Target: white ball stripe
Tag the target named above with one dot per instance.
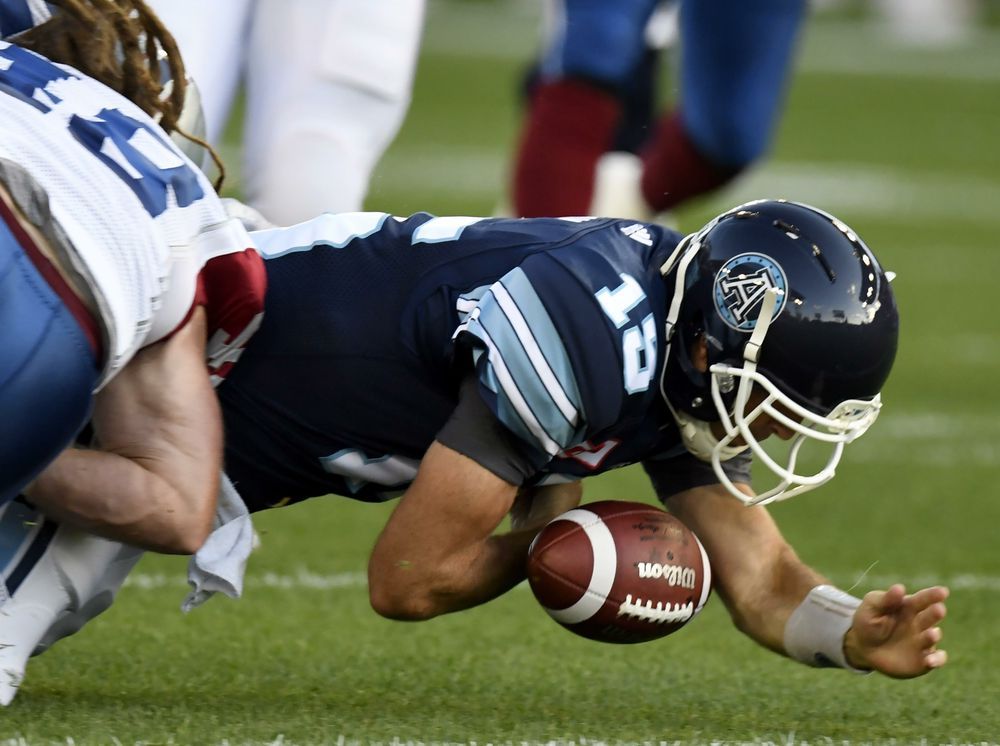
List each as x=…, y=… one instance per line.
x=706, y=575
x=603, y=576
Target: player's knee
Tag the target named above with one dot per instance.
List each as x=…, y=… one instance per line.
x=729, y=142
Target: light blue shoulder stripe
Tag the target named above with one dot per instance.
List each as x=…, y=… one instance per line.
x=439, y=230
x=329, y=229
x=512, y=407
x=548, y=353
x=529, y=362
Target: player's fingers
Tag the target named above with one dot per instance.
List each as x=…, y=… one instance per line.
x=930, y=616
x=888, y=600
x=927, y=596
x=936, y=659
x=931, y=637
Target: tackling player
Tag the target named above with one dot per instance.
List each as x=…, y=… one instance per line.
x=597, y=75
x=120, y=267
x=482, y=365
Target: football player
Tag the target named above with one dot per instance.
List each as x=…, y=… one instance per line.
x=597, y=74
x=482, y=365
x=120, y=269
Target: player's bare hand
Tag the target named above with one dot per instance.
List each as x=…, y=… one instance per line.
x=897, y=633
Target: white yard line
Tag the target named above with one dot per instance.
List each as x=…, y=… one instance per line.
x=781, y=739
x=305, y=580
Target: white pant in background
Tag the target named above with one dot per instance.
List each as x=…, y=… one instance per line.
x=328, y=83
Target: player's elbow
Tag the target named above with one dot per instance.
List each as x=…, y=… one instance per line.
x=184, y=536
x=401, y=607
x=405, y=604
x=404, y=594
x=182, y=523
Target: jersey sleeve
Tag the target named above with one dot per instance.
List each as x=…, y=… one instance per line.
x=474, y=431
x=231, y=287
x=541, y=350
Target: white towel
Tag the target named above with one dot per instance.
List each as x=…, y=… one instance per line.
x=219, y=565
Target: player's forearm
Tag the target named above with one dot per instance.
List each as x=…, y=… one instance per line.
x=761, y=608
x=439, y=551
x=422, y=588
x=498, y=567
x=756, y=572
x=121, y=499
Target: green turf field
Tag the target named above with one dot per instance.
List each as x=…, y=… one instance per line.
x=901, y=144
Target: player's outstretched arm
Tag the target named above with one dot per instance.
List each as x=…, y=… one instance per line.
x=154, y=480
x=437, y=553
x=785, y=605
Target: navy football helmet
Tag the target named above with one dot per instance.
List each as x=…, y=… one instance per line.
x=794, y=307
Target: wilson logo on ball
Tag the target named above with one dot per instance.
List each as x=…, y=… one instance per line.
x=683, y=577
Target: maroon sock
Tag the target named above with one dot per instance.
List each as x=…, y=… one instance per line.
x=674, y=170
x=570, y=124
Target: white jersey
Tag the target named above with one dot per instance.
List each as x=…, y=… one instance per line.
x=140, y=218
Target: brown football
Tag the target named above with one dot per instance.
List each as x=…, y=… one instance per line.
x=619, y=571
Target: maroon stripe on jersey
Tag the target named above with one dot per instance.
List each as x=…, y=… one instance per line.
x=87, y=321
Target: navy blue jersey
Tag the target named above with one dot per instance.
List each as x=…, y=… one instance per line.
x=372, y=321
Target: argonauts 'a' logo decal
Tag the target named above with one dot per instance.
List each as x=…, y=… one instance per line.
x=740, y=286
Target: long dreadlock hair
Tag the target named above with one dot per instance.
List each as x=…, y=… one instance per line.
x=118, y=42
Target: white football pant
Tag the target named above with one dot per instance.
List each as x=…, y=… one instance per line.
x=328, y=83
x=55, y=579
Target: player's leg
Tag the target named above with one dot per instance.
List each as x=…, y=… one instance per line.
x=212, y=40
x=54, y=579
x=48, y=364
x=575, y=109
x=735, y=62
x=328, y=86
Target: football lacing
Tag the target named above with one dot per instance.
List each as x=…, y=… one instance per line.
x=659, y=614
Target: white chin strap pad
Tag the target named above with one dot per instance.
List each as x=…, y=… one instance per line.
x=700, y=441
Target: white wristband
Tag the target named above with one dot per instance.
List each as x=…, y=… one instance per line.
x=814, y=633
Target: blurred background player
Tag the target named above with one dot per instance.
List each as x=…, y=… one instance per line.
x=327, y=87
x=122, y=271
x=470, y=364
x=595, y=90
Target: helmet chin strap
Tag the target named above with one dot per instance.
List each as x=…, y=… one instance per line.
x=696, y=434
x=681, y=257
x=791, y=483
x=699, y=439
